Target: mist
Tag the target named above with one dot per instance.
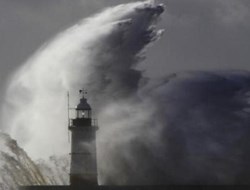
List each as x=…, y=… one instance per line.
x=190, y=128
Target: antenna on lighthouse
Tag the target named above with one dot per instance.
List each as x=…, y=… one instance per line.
x=68, y=117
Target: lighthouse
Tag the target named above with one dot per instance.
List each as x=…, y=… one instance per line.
x=83, y=168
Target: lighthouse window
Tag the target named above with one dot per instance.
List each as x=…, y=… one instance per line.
x=83, y=114
x=80, y=114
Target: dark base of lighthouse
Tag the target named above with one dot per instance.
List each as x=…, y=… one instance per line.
x=80, y=180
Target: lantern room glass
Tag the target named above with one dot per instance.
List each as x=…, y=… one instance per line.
x=83, y=114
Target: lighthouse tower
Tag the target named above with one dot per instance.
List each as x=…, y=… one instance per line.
x=83, y=170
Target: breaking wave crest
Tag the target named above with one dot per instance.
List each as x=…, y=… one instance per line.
x=98, y=53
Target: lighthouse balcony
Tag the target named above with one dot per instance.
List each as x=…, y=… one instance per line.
x=83, y=123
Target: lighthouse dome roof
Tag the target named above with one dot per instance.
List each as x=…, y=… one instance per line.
x=83, y=105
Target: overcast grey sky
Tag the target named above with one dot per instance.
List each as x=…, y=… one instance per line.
x=200, y=34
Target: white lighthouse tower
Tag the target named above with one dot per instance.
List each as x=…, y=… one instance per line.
x=83, y=170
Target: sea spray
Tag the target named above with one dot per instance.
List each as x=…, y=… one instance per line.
x=98, y=53
x=187, y=128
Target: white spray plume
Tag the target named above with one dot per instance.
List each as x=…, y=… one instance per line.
x=94, y=54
